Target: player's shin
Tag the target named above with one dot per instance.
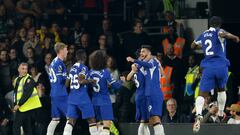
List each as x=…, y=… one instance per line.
x=68, y=129
x=141, y=129
x=158, y=129
x=51, y=127
x=146, y=129
x=199, y=105
x=93, y=129
x=221, y=98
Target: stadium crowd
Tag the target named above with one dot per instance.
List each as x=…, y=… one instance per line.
x=29, y=30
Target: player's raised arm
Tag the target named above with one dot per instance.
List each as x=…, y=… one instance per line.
x=196, y=45
x=227, y=35
x=133, y=71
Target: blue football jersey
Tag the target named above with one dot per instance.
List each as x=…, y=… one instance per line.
x=78, y=93
x=58, y=76
x=100, y=89
x=152, y=77
x=214, y=48
x=139, y=82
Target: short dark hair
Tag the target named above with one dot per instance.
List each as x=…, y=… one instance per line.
x=136, y=21
x=81, y=55
x=98, y=60
x=215, y=21
x=149, y=47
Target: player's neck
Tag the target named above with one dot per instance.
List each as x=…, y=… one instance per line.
x=60, y=57
x=81, y=62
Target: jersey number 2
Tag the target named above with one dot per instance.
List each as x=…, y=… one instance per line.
x=209, y=46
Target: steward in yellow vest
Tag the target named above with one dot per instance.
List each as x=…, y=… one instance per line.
x=26, y=99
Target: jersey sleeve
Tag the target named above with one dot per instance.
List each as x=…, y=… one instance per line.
x=198, y=40
x=111, y=81
x=84, y=72
x=220, y=38
x=149, y=64
x=61, y=72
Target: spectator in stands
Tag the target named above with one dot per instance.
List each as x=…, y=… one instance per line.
x=5, y=114
x=36, y=75
x=44, y=113
x=5, y=21
x=5, y=75
x=55, y=31
x=32, y=59
x=135, y=39
x=141, y=15
x=190, y=77
x=102, y=44
x=19, y=41
x=33, y=42
x=85, y=44
x=212, y=116
x=65, y=35
x=27, y=7
x=170, y=19
x=47, y=61
x=70, y=60
x=28, y=23
x=77, y=32
x=14, y=61
x=235, y=114
x=177, y=75
x=48, y=44
x=41, y=33
x=174, y=40
x=54, y=10
x=173, y=116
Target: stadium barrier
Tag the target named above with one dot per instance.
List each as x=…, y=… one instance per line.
x=184, y=129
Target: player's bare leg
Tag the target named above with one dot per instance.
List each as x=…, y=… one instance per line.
x=69, y=126
x=155, y=121
x=93, y=126
x=199, y=103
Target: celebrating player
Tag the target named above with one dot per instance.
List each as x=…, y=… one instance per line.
x=214, y=65
x=137, y=74
x=78, y=99
x=59, y=95
x=153, y=94
x=101, y=100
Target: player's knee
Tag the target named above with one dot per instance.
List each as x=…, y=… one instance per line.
x=71, y=121
x=91, y=120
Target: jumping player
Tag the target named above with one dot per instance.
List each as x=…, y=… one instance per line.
x=78, y=99
x=153, y=93
x=101, y=100
x=59, y=95
x=214, y=65
x=137, y=74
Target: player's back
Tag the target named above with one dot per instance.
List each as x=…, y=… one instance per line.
x=100, y=89
x=78, y=93
x=58, y=76
x=140, y=83
x=214, y=48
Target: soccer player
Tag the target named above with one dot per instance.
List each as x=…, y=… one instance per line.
x=59, y=95
x=214, y=65
x=137, y=74
x=78, y=99
x=153, y=93
x=101, y=100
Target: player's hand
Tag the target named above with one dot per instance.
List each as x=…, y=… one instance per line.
x=4, y=122
x=16, y=107
x=237, y=40
x=130, y=59
x=134, y=68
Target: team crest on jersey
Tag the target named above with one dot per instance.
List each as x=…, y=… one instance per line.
x=60, y=68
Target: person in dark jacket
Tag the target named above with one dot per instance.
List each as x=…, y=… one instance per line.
x=5, y=114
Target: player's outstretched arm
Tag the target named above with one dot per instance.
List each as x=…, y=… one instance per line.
x=194, y=45
x=82, y=80
x=228, y=35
